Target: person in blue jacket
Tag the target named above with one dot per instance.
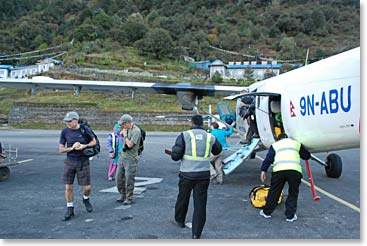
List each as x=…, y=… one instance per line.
x=216, y=172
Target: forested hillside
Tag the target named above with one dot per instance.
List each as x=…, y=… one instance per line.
x=171, y=28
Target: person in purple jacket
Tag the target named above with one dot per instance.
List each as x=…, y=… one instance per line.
x=115, y=142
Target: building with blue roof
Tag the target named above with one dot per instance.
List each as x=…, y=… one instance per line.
x=5, y=70
x=246, y=69
x=20, y=72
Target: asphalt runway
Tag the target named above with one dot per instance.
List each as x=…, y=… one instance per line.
x=32, y=201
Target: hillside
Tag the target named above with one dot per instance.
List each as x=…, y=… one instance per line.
x=169, y=29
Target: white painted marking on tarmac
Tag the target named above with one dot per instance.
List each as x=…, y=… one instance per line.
x=148, y=181
x=25, y=161
x=137, y=190
x=88, y=220
x=335, y=198
x=123, y=207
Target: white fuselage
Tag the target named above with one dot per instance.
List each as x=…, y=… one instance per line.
x=320, y=103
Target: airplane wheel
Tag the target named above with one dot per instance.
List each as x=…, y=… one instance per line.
x=4, y=173
x=334, y=166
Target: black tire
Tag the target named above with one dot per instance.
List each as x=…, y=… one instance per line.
x=4, y=173
x=334, y=166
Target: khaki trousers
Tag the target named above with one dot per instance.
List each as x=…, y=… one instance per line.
x=216, y=172
x=125, y=177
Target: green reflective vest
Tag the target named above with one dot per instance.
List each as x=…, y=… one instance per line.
x=287, y=155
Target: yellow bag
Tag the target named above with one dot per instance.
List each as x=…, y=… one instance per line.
x=259, y=194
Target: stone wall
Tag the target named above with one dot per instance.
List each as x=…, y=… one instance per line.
x=26, y=113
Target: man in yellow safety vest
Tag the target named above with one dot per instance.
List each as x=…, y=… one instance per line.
x=285, y=158
x=193, y=148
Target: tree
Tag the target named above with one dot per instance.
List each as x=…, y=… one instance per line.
x=158, y=42
x=288, y=47
x=230, y=41
x=133, y=31
x=217, y=78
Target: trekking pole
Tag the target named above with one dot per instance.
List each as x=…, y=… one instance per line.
x=316, y=198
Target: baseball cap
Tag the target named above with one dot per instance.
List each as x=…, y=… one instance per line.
x=71, y=115
x=125, y=119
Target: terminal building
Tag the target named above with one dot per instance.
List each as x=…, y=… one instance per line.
x=245, y=70
x=21, y=72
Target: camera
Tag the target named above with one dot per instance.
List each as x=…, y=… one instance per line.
x=125, y=148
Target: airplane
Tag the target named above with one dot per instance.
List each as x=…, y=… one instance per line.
x=319, y=104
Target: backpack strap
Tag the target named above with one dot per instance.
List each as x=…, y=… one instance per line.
x=84, y=132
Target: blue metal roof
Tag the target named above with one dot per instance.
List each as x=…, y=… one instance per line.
x=255, y=66
x=202, y=64
x=6, y=66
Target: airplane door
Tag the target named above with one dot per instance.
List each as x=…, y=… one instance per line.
x=263, y=118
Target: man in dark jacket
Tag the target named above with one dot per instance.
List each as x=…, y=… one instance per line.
x=247, y=111
x=193, y=148
x=285, y=158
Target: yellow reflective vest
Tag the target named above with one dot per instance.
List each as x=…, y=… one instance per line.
x=198, y=144
x=287, y=155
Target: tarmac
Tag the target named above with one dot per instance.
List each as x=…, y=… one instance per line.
x=33, y=203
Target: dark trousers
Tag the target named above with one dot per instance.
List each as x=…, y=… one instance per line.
x=278, y=179
x=200, y=193
x=252, y=130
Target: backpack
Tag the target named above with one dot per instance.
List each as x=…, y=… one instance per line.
x=142, y=139
x=259, y=194
x=90, y=151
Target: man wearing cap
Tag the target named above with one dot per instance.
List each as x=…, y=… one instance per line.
x=193, y=148
x=128, y=161
x=72, y=142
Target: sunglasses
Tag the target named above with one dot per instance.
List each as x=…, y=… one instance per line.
x=68, y=121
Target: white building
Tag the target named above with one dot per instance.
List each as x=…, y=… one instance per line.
x=243, y=70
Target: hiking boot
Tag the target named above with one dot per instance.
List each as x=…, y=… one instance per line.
x=128, y=202
x=216, y=182
x=87, y=205
x=294, y=218
x=264, y=215
x=121, y=199
x=69, y=213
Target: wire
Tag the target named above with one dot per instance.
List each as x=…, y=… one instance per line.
x=35, y=51
x=27, y=57
x=260, y=57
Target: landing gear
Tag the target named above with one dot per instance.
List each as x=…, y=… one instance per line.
x=333, y=165
x=4, y=173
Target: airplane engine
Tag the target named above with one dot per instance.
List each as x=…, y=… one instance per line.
x=188, y=100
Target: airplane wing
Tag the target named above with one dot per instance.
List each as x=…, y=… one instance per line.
x=143, y=87
x=187, y=93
